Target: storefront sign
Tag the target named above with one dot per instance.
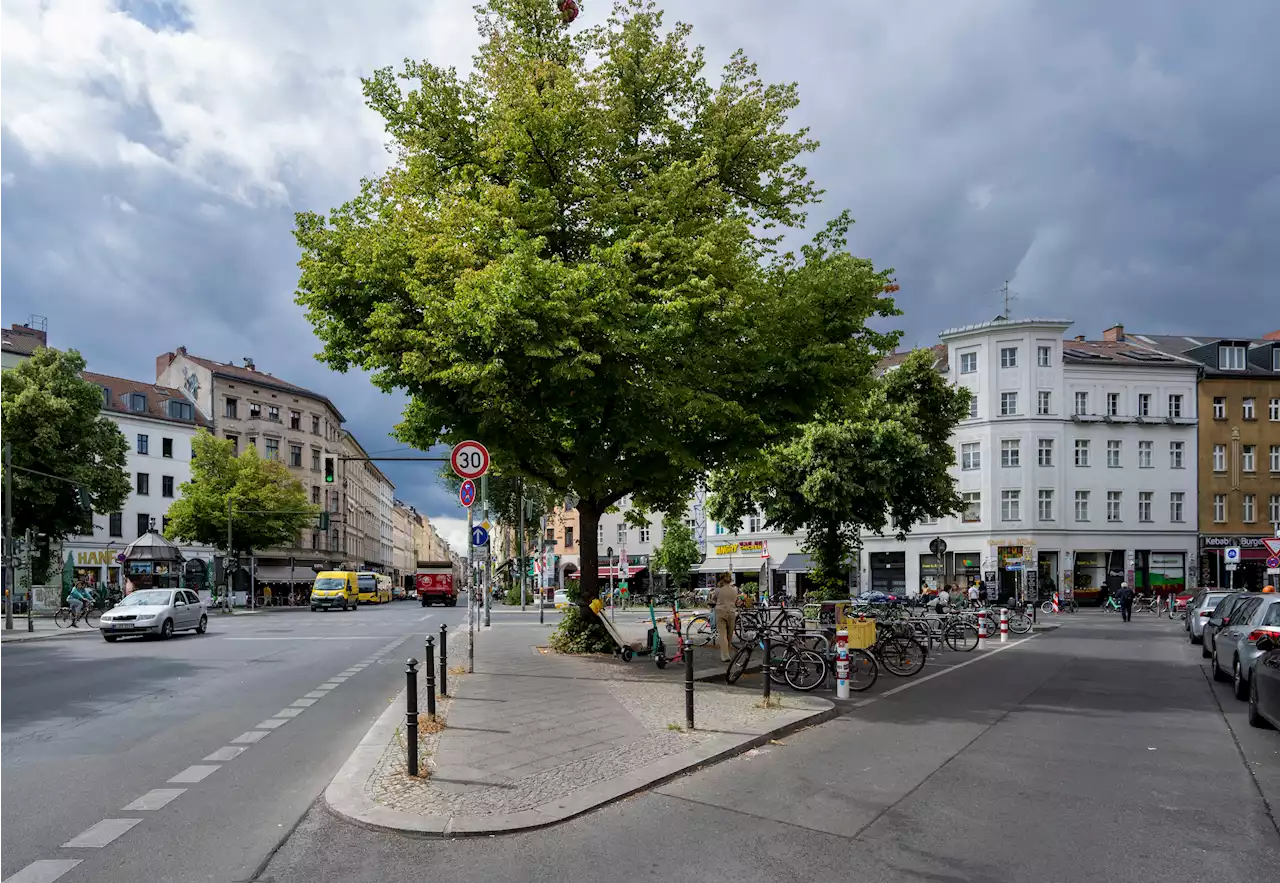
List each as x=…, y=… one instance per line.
x=744, y=546
x=95, y=557
x=1220, y=541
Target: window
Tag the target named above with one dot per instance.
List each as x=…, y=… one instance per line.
x=1145, y=449
x=1082, y=403
x=1010, y=453
x=295, y=420
x=568, y=537
x=1176, y=501
x=229, y=408
x=755, y=524
x=973, y=405
x=295, y=456
x=273, y=413
x=235, y=443
x=144, y=444
x=718, y=529
x=970, y=456
x=1113, y=454
x=1009, y=357
x=972, y=506
x=1042, y=356
x=1042, y=402
x=144, y=523
x=1219, y=407
x=1247, y=409
x=106, y=396
x=166, y=448
x=166, y=486
x=315, y=540
x=1113, y=505
x=599, y=536
x=1175, y=406
x=1273, y=508
x=1144, y=404
x=137, y=402
x=1011, y=505
x=143, y=485
x=644, y=534
x=255, y=411
x=1275, y=361
x=1044, y=506
x=1144, y=505
x=1273, y=409
x=1248, y=458
x=622, y=534
x=1176, y=450
x=1247, y=513
x=1044, y=452
x=315, y=460
x=1082, y=452
x=179, y=410
x=1008, y=404
x=1113, y=404
x=1219, y=458
x=1275, y=460
x=1082, y=505
x=115, y=524
x=315, y=495
x=273, y=449
x=1231, y=358
x=315, y=425
x=968, y=363
x=1219, y=508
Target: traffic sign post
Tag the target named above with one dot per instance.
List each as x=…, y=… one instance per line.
x=469, y=459
x=479, y=536
x=467, y=493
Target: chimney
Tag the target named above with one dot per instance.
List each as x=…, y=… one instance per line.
x=1114, y=334
x=248, y=363
x=182, y=351
x=1080, y=338
x=27, y=331
x=163, y=361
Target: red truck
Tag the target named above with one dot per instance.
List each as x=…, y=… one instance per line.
x=435, y=584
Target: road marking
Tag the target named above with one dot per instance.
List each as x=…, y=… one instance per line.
x=959, y=665
x=250, y=736
x=271, y=723
x=339, y=679
x=303, y=703
x=289, y=712
x=100, y=834
x=317, y=694
x=193, y=774
x=313, y=638
x=425, y=616
x=226, y=752
x=328, y=685
x=44, y=871
x=154, y=799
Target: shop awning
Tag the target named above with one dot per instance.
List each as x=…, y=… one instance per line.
x=280, y=574
x=796, y=562
x=606, y=572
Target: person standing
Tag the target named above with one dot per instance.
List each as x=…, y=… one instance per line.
x=1124, y=598
x=973, y=594
x=725, y=599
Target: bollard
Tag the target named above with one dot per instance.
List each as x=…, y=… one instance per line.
x=688, y=687
x=429, y=666
x=411, y=713
x=768, y=669
x=1055, y=602
x=842, y=664
x=982, y=629
x=1004, y=624
x=444, y=663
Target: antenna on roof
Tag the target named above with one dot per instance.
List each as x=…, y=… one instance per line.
x=1009, y=297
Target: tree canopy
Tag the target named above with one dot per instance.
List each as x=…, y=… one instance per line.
x=53, y=421
x=678, y=553
x=882, y=462
x=575, y=258
x=269, y=506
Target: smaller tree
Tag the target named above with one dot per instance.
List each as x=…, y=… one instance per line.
x=268, y=505
x=678, y=553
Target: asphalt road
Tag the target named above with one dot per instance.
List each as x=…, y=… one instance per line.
x=1097, y=753
x=90, y=727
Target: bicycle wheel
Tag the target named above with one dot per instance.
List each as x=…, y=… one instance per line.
x=815, y=642
x=699, y=632
x=863, y=670
x=62, y=618
x=1046, y=607
x=747, y=626
x=90, y=617
x=804, y=670
x=1019, y=623
x=961, y=636
x=738, y=664
x=792, y=621
x=902, y=656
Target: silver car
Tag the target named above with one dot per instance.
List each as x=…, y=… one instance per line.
x=158, y=612
x=1235, y=647
x=1199, y=609
x=1218, y=620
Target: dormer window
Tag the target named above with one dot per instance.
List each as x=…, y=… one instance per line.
x=1275, y=358
x=106, y=396
x=1231, y=357
x=180, y=410
x=137, y=402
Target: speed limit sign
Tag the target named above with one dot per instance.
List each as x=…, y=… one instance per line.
x=469, y=459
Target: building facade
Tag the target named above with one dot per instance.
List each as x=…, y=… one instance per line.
x=19, y=342
x=403, y=557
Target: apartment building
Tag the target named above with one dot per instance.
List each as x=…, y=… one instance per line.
x=19, y=342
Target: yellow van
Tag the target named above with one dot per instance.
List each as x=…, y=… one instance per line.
x=374, y=587
x=335, y=588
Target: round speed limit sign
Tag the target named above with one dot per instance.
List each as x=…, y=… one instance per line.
x=469, y=459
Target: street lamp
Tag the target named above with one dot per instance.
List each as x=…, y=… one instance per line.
x=608, y=552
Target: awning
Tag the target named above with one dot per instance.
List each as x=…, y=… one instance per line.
x=796, y=562
x=606, y=572
x=280, y=574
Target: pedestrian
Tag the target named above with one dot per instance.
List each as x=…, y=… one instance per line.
x=725, y=598
x=941, y=602
x=973, y=594
x=1125, y=598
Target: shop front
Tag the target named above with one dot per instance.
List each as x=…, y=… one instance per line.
x=1159, y=573
x=889, y=572
x=966, y=569
x=1088, y=576
x=1249, y=574
x=932, y=577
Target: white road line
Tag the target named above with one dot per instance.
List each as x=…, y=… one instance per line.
x=317, y=694
x=44, y=871
x=100, y=834
x=271, y=723
x=250, y=736
x=154, y=799
x=327, y=685
x=303, y=703
x=193, y=774
x=288, y=712
x=339, y=679
x=226, y=752
x=914, y=682
x=425, y=616
x=312, y=638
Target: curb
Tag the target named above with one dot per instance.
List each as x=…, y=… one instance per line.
x=48, y=636
x=345, y=795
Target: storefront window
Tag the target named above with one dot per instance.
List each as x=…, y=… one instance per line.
x=1089, y=576
x=889, y=572
x=966, y=568
x=1167, y=572
x=931, y=578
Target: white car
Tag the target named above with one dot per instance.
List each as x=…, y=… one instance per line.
x=158, y=612
x=561, y=598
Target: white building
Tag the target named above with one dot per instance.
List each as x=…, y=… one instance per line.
x=1077, y=466
x=159, y=423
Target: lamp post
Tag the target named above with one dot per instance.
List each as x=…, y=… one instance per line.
x=608, y=554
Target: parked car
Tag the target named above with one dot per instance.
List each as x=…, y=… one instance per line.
x=562, y=598
x=1216, y=619
x=159, y=612
x=1235, y=647
x=1199, y=609
x=1264, y=686
x=1183, y=599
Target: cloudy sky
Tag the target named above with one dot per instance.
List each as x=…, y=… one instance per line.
x=1115, y=162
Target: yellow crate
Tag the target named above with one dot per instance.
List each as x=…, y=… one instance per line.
x=862, y=633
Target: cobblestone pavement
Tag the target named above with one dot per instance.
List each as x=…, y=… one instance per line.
x=530, y=727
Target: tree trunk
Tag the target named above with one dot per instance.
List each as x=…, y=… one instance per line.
x=588, y=552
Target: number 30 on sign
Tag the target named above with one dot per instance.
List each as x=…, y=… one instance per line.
x=469, y=459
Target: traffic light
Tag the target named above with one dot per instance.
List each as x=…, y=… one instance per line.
x=328, y=470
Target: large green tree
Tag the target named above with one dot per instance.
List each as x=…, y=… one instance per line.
x=880, y=462
x=53, y=422
x=574, y=259
x=678, y=553
x=268, y=505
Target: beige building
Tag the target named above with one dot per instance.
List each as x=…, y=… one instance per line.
x=366, y=486
x=403, y=557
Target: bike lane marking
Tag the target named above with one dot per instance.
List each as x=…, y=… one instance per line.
x=100, y=834
x=154, y=799
x=46, y=870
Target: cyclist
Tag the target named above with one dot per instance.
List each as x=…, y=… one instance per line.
x=78, y=600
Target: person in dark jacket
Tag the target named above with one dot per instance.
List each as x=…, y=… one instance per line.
x=1124, y=598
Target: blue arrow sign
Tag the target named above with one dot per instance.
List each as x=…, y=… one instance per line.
x=479, y=536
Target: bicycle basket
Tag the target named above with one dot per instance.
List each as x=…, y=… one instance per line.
x=862, y=633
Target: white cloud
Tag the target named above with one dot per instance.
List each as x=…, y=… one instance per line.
x=454, y=531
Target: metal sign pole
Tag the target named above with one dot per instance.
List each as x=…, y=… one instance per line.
x=10, y=573
x=520, y=546
x=488, y=547
x=471, y=596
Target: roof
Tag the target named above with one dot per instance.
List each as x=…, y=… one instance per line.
x=1121, y=352
x=1203, y=350
x=156, y=397
x=262, y=378
x=1000, y=323
x=893, y=360
x=21, y=340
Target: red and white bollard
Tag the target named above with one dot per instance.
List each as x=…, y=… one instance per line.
x=1055, y=602
x=982, y=628
x=842, y=664
x=1004, y=624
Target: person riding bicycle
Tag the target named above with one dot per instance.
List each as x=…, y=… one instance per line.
x=78, y=599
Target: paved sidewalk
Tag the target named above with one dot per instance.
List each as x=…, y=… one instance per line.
x=533, y=738
x=44, y=630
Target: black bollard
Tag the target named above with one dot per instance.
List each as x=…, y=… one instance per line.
x=444, y=665
x=688, y=686
x=411, y=713
x=767, y=670
x=429, y=666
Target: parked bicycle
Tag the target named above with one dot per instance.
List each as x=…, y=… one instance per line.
x=788, y=662
x=1065, y=605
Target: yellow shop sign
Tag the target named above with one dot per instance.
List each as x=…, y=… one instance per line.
x=95, y=557
x=744, y=546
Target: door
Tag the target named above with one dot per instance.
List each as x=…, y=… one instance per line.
x=181, y=610
x=1225, y=643
x=193, y=601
